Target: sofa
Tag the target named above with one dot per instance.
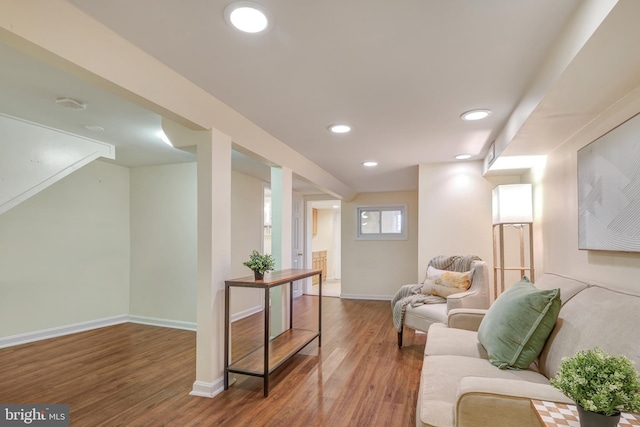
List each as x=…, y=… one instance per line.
x=459, y=386
x=422, y=316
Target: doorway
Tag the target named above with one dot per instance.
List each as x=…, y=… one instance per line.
x=326, y=246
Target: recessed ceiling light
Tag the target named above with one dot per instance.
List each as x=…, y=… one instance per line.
x=247, y=17
x=463, y=156
x=370, y=164
x=160, y=134
x=94, y=128
x=340, y=128
x=475, y=115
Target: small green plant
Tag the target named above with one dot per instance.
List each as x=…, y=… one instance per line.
x=260, y=263
x=599, y=382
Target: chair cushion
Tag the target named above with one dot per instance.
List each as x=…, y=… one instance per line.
x=421, y=317
x=517, y=325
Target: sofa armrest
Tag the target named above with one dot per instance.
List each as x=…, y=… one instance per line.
x=465, y=318
x=501, y=402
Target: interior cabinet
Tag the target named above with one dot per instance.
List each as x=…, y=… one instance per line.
x=314, y=221
x=319, y=262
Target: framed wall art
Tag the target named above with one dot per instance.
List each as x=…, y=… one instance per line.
x=609, y=190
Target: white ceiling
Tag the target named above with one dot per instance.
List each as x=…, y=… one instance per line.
x=399, y=72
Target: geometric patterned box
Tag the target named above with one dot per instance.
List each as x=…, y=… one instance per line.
x=553, y=414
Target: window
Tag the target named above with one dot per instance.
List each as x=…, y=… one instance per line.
x=385, y=222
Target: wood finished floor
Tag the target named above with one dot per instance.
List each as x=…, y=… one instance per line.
x=137, y=375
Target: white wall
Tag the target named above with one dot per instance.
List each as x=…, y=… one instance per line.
x=110, y=241
x=375, y=269
x=64, y=253
x=558, y=190
x=164, y=241
x=163, y=202
x=246, y=232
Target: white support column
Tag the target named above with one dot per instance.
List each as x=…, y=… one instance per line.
x=214, y=260
x=281, y=202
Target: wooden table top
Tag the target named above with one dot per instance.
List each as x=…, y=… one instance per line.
x=274, y=278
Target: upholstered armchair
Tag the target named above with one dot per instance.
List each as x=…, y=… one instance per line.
x=421, y=309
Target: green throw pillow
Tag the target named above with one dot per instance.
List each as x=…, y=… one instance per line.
x=518, y=324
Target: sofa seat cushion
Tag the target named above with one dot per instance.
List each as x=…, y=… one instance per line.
x=440, y=378
x=422, y=316
x=456, y=342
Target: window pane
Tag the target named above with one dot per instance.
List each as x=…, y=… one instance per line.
x=369, y=222
x=392, y=222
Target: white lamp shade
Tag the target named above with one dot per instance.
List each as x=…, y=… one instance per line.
x=512, y=204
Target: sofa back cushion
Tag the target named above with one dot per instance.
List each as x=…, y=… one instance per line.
x=568, y=287
x=516, y=326
x=594, y=317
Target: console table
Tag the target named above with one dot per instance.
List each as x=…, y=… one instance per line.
x=264, y=360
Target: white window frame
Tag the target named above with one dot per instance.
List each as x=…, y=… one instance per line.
x=403, y=235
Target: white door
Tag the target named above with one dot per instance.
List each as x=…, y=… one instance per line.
x=297, y=243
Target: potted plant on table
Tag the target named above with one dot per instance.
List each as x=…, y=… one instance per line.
x=601, y=385
x=260, y=264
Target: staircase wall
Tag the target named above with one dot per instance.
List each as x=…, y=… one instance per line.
x=33, y=157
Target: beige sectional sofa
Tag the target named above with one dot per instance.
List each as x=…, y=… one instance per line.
x=460, y=387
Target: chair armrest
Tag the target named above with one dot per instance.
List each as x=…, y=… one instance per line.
x=501, y=402
x=465, y=318
x=473, y=298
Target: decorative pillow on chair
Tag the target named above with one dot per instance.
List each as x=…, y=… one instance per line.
x=517, y=325
x=427, y=286
x=433, y=273
x=444, y=283
x=453, y=279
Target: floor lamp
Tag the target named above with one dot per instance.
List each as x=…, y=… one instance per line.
x=512, y=207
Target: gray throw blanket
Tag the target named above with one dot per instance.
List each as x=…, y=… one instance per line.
x=412, y=294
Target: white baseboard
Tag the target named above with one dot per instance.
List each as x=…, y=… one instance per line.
x=204, y=389
x=61, y=331
x=246, y=313
x=370, y=297
x=165, y=323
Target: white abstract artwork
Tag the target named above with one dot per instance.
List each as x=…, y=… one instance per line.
x=609, y=190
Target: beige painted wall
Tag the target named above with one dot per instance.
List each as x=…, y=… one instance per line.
x=64, y=253
x=375, y=269
x=455, y=211
x=323, y=240
x=558, y=189
x=164, y=242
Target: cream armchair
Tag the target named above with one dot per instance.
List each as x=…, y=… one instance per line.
x=422, y=316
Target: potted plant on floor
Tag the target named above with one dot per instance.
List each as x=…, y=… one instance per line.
x=601, y=385
x=260, y=264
